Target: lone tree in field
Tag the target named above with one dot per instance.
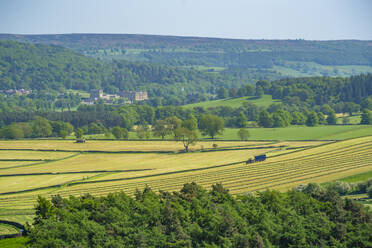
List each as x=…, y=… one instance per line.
x=187, y=137
x=243, y=134
x=161, y=129
x=211, y=125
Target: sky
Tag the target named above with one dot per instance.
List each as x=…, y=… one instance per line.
x=244, y=19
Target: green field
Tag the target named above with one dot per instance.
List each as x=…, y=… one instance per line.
x=307, y=69
x=335, y=132
x=321, y=132
x=357, y=178
x=265, y=101
x=13, y=242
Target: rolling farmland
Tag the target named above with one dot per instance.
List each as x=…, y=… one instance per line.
x=50, y=167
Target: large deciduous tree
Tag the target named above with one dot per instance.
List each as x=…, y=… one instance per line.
x=187, y=137
x=243, y=134
x=161, y=129
x=41, y=127
x=211, y=125
x=312, y=119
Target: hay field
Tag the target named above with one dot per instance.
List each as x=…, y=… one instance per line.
x=289, y=163
x=32, y=155
x=117, y=146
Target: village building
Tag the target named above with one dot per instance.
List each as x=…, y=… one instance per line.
x=133, y=96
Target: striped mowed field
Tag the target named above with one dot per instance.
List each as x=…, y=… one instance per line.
x=99, y=167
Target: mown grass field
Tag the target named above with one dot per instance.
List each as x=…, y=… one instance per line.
x=265, y=101
x=7, y=229
x=101, y=167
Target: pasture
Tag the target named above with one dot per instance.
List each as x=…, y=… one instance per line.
x=264, y=101
x=100, y=167
x=322, y=132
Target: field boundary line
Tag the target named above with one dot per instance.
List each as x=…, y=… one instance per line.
x=42, y=162
x=72, y=172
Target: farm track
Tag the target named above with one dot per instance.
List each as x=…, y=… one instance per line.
x=301, y=167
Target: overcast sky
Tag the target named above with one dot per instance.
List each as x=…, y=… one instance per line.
x=247, y=19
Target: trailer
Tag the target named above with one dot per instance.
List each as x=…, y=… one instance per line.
x=258, y=158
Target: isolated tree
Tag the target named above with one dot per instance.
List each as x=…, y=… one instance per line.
x=243, y=134
x=187, y=137
x=265, y=119
x=312, y=119
x=161, y=129
x=211, y=125
x=366, y=117
x=79, y=133
x=331, y=118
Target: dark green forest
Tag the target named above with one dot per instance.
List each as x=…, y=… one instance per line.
x=194, y=217
x=41, y=67
x=175, y=50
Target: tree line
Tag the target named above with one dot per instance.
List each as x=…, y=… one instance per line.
x=309, y=216
x=117, y=121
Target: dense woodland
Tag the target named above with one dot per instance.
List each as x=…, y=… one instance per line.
x=174, y=50
x=56, y=69
x=310, y=216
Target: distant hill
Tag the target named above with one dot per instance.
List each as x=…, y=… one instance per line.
x=51, y=67
x=295, y=58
